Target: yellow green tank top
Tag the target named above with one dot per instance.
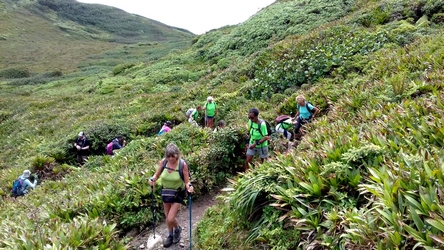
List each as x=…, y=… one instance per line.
x=172, y=180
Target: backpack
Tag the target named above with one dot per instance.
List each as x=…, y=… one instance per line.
x=189, y=112
x=17, y=187
x=109, y=148
x=269, y=130
x=282, y=118
x=181, y=163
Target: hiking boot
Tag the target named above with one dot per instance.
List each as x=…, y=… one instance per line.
x=168, y=241
x=176, y=236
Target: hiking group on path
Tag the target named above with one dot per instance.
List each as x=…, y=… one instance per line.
x=174, y=171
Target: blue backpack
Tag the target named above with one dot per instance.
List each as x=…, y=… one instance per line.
x=17, y=187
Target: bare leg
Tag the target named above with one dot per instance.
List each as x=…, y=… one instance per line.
x=170, y=214
x=247, y=162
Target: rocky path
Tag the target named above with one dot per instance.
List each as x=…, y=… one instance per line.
x=198, y=209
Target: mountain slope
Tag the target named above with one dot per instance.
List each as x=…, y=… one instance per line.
x=57, y=35
x=368, y=174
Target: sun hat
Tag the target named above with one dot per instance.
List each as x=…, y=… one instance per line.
x=210, y=98
x=26, y=173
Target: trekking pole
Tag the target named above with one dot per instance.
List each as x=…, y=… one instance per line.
x=152, y=240
x=191, y=225
x=152, y=209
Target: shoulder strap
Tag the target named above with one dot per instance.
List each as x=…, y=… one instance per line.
x=259, y=125
x=165, y=162
x=306, y=105
x=181, y=163
x=250, y=123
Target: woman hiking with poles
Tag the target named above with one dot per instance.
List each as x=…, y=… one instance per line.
x=175, y=177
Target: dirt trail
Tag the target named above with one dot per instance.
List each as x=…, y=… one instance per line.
x=198, y=209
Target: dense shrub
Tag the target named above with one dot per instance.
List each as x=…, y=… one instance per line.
x=122, y=67
x=278, y=21
x=306, y=62
x=37, y=79
x=14, y=73
x=101, y=134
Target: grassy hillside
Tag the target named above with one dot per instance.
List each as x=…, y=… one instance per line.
x=368, y=175
x=58, y=35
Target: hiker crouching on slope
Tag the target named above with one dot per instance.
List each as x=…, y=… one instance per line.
x=175, y=177
x=220, y=125
x=115, y=144
x=165, y=128
x=21, y=185
x=193, y=115
x=306, y=112
x=283, y=127
x=258, y=142
x=82, y=146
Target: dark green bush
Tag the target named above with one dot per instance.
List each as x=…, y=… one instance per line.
x=37, y=79
x=13, y=73
x=55, y=73
x=122, y=67
x=102, y=134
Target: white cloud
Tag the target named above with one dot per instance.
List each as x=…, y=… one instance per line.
x=197, y=16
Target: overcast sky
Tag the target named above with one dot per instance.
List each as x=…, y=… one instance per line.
x=197, y=16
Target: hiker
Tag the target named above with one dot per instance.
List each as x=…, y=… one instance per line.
x=174, y=185
x=285, y=123
x=220, y=124
x=306, y=112
x=165, y=128
x=210, y=108
x=115, y=144
x=193, y=115
x=21, y=185
x=82, y=146
x=258, y=142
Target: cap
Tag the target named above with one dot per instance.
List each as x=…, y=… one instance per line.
x=210, y=98
x=26, y=173
x=168, y=123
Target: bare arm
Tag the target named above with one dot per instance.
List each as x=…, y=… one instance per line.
x=295, y=120
x=316, y=111
x=156, y=175
x=29, y=184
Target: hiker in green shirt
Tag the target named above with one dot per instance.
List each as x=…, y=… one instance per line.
x=193, y=115
x=258, y=143
x=174, y=173
x=210, y=108
x=284, y=128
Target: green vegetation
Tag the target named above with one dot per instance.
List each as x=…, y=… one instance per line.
x=369, y=173
x=64, y=35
